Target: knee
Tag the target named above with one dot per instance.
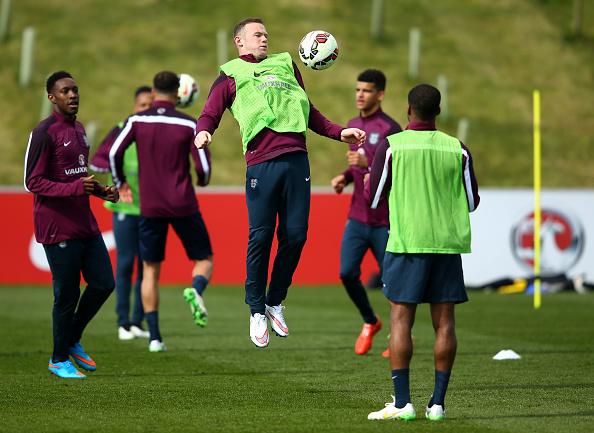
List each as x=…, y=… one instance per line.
x=106, y=284
x=261, y=236
x=446, y=330
x=125, y=264
x=296, y=237
x=66, y=298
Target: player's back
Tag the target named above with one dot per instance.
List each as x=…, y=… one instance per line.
x=164, y=138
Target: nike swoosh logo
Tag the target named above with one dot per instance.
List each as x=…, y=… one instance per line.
x=263, y=338
x=307, y=179
x=67, y=143
x=86, y=361
x=258, y=74
x=279, y=324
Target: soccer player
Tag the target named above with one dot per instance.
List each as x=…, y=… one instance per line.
x=265, y=94
x=56, y=173
x=429, y=180
x=366, y=228
x=164, y=139
x=126, y=216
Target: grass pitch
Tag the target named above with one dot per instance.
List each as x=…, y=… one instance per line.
x=215, y=380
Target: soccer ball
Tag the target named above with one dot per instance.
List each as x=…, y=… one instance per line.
x=318, y=50
x=188, y=90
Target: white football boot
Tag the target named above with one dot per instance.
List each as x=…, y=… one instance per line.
x=390, y=411
x=435, y=412
x=277, y=320
x=259, y=330
x=139, y=332
x=124, y=334
x=157, y=346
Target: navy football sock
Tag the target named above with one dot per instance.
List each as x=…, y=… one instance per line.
x=199, y=283
x=152, y=319
x=442, y=378
x=401, y=387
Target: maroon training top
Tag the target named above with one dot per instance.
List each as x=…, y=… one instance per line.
x=56, y=158
x=268, y=144
x=164, y=140
x=377, y=127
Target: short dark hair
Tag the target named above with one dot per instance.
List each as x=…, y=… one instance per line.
x=51, y=80
x=240, y=25
x=424, y=99
x=166, y=82
x=142, y=89
x=374, y=76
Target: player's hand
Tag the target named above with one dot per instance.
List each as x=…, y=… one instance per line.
x=353, y=136
x=365, y=178
x=338, y=183
x=125, y=193
x=357, y=158
x=112, y=194
x=203, y=139
x=89, y=183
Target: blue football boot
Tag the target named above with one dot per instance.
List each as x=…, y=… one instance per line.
x=64, y=370
x=82, y=358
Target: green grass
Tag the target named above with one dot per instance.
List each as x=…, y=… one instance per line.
x=493, y=53
x=214, y=380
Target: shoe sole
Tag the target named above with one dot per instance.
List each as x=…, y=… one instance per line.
x=62, y=377
x=396, y=418
x=259, y=347
x=199, y=315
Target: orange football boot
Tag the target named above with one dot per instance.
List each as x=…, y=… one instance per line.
x=365, y=338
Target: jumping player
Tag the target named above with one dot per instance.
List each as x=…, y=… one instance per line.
x=56, y=173
x=429, y=180
x=265, y=94
x=366, y=228
x=163, y=139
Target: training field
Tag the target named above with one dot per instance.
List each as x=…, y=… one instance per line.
x=215, y=380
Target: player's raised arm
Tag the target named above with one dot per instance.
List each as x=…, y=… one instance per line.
x=219, y=99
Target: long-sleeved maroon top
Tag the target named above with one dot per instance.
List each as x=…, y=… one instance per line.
x=268, y=144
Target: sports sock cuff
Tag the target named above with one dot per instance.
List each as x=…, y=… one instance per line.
x=199, y=282
x=400, y=379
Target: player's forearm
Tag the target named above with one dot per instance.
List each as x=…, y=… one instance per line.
x=319, y=124
x=48, y=188
x=220, y=98
x=348, y=176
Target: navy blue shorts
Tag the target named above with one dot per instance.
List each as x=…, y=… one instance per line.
x=423, y=278
x=190, y=230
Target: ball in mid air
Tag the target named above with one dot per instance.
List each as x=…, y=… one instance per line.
x=188, y=91
x=318, y=50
